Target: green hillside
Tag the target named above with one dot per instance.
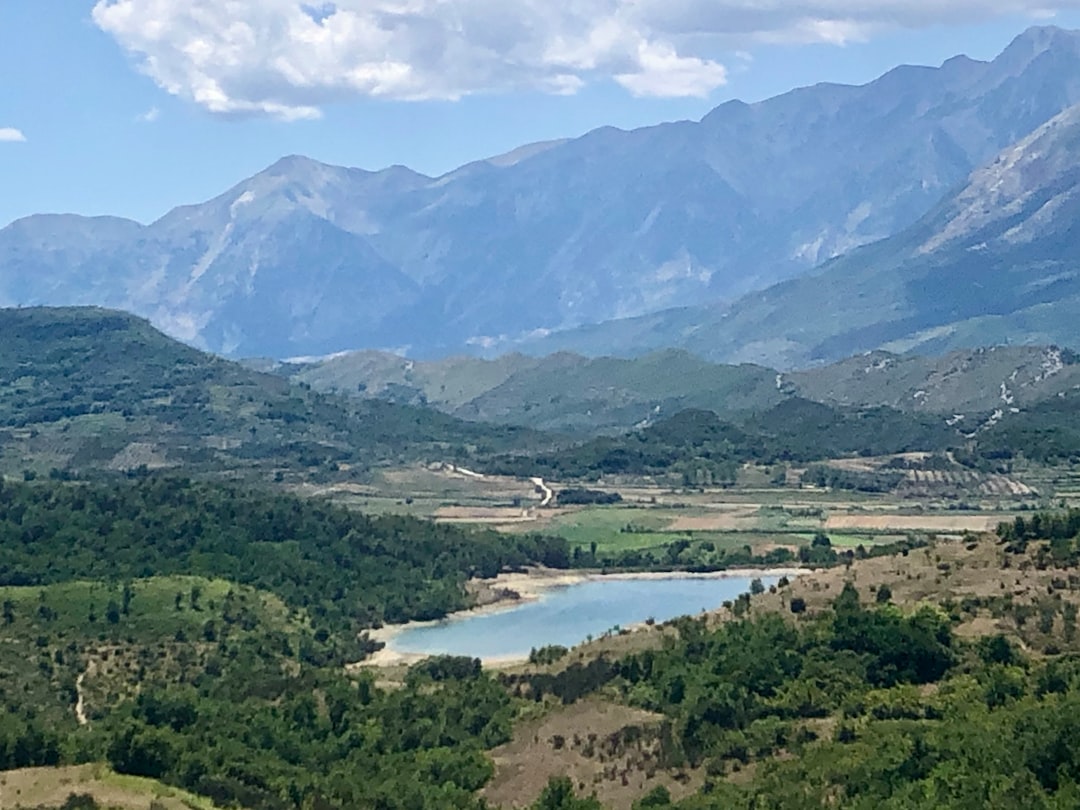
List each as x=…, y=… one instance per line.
x=570, y=393
x=446, y=384
x=91, y=389
x=563, y=392
x=198, y=633
x=705, y=448
x=962, y=382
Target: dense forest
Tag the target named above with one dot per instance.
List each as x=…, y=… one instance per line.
x=343, y=568
x=925, y=720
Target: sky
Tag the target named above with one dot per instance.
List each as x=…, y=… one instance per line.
x=131, y=107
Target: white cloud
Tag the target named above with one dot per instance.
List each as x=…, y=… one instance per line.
x=149, y=117
x=288, y=58
x=11, y=135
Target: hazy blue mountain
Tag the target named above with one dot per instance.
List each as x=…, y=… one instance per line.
x=307, y=259
x=997, y=262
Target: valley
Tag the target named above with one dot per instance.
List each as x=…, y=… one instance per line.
x=730, y=463
x=270, y=634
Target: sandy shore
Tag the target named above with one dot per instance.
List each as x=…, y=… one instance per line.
x=508, y=591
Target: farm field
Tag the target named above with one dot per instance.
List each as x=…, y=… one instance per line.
x=651, y=516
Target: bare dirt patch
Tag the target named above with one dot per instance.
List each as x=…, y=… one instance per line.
x=484, y=514
x=742, y=520
x=606, y=749
x=914, y=523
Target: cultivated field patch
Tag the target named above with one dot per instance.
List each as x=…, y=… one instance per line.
x=914, y=523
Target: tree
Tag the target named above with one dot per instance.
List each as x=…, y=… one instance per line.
x=884, y=594
x=659, y=796
x=9, y=612
x=757, y=586
x=559, y=795
x=112, y=612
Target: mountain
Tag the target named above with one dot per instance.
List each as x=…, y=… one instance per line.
x=571, y=393
x=309, y=259
x=994, y=263
x=966, y=382
x=85, y=390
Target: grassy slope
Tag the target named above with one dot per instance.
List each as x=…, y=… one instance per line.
x=446, y=384
x=962, y=382
x=50, y=787
x=609, y=393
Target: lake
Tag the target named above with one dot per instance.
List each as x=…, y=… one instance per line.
x=568, y=615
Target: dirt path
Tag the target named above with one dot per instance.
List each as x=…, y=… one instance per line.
x=463, y=471
x=549, y=494
x=80, y=704
x=914, y=523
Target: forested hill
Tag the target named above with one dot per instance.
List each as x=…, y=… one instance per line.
x=87, y=389
x=202, y=631
x=349, y=570
x=706, y=448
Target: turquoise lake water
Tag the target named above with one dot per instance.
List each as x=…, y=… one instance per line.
x=568, y=615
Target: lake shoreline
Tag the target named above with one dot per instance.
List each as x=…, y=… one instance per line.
x=512, y=590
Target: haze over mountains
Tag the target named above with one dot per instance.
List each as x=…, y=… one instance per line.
x=307, y=259
x=995, y=263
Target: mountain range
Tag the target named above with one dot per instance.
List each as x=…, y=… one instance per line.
x=309, y=259
x=996, y=262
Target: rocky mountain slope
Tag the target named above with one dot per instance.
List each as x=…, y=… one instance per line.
x=306, y=258
x=997, y=262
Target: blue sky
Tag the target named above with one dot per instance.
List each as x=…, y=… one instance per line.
x=130, y=107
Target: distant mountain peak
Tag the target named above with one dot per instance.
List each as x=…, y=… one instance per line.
x=290, y=164
x=1040, y=38
x=1036, y=41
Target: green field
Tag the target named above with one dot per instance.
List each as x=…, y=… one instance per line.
x=606, y=526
